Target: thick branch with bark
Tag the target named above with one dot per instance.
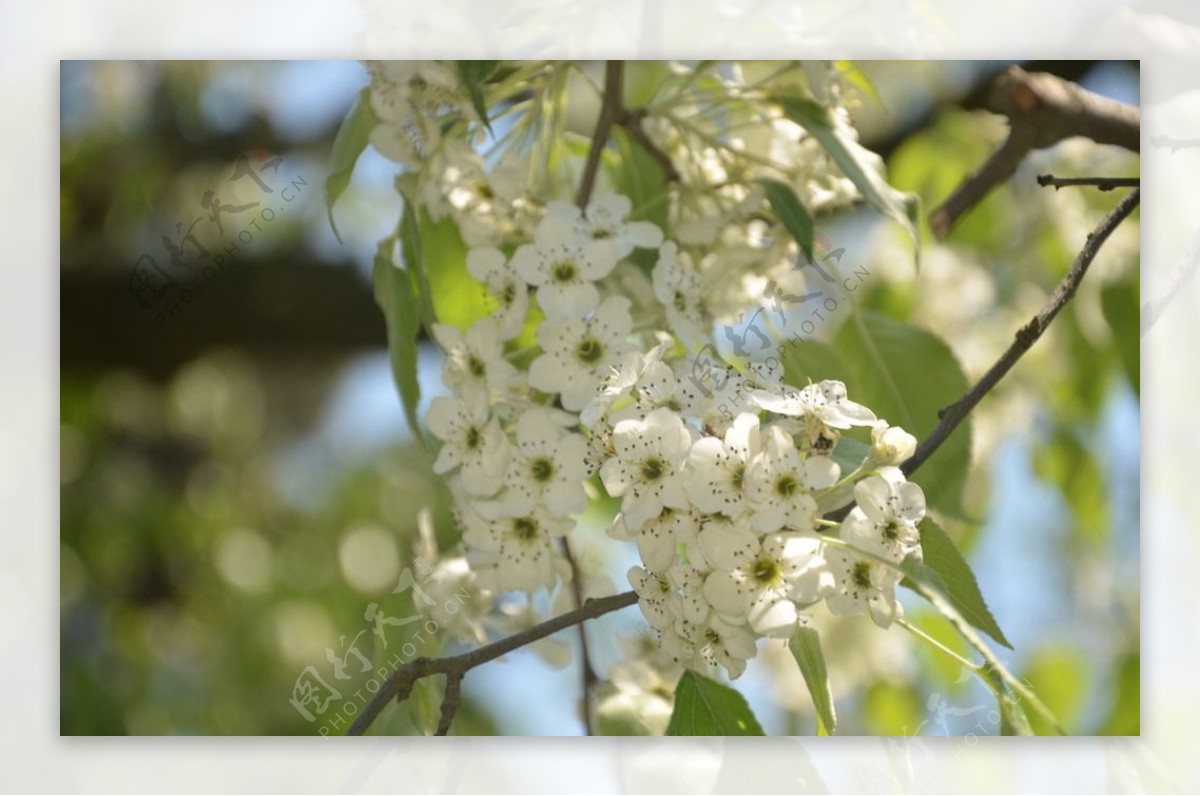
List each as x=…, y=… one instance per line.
x=1042, y=110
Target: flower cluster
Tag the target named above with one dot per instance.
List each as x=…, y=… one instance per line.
x=723, y=474
x=597, y=370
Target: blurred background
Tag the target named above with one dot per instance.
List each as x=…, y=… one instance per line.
x=238, y=482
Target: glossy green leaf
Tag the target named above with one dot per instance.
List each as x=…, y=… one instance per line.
x=705, y=707
x=352, y=138
x=396, y=298
x=906, y=375
x=792, y=213
x=805, y=645
x=806, y=361
x=860, y=165
x=944, y=569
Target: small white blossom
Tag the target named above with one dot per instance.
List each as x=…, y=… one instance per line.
x=717, y=468
x=475, y=361
x=645, y=469
x=514, y=553
x=863, y=586
x=562, y=266
x=606, y=220
x=779, y=485
x=472, y=441
x=886, y=517
x=891, y=444
x=659, y=538
x=546, y=466
x=825, y=403
x=765, y=579
x=680, y=289
x=489, y=266
x=579, y=353
x=704, y=645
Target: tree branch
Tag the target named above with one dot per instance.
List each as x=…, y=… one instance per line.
x=631, y=122
x=400, y=684
x=610, y=107
x=1101, y=183
x=586, y=670
x=1042, y=110
x=954, y=414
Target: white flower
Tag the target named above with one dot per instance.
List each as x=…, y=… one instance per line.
x=679, y=288
x=885, y=520
x=579, y=353
x=489, y=266
x=605, y=220
x=514, y=553
x=474, y=362
x=717, y=468
x=656, y=597
x=891, y=444
x=473, y=441
x=412, y=99
x=659, y=538
x=563, y=266
x=779, y=485
x=763, y=579
x=863, y=586
x=701, y=646
x=645, y=469
x=547, y=466
x=826, y=403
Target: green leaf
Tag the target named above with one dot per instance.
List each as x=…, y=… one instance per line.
x=944, y=569
x=1122, y=309
x=791, y=211
x=352, y=138
x=850, y=453
x=705, y=707
x=805, y=645
x=855, y=76
x=639, y=177
x=474, y=75
x=395, y=296
x=860, y=165
x=806, y=361
x=906, y=375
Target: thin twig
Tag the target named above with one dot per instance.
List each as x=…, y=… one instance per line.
x=631, y=122
x=1100, y=183
x=610, y=105
x=954, y=414
x=400, y=684
x=1042, y=110
x=586, y=671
